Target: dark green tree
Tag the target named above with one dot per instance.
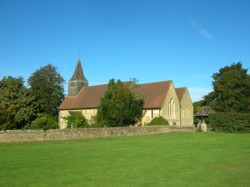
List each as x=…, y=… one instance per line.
x=121, y=105
x=16, y=104
x=197, y=106
x=46, y=85
x=231, y=89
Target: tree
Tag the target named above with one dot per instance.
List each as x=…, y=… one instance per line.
x=46, y=85
x=16, y=104
x=231, y=89
x=197, y=106
x=120, y=106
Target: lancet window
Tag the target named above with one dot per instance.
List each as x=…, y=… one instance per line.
x=171, y=109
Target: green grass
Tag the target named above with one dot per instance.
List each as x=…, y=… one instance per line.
x=173, y=159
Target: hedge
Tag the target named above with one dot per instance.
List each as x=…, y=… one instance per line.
x=159, y=121
x=230, y=122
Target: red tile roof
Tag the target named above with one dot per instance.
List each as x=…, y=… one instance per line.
x=90, y=96
x=180, y=92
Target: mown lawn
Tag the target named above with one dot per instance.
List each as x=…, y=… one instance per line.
x=173, y=159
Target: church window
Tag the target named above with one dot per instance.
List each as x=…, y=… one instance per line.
x=171, y=109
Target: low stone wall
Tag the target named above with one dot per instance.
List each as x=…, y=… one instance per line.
x=86, y=133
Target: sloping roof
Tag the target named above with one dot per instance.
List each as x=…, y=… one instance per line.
x=78, y=73
x=204, y=111
x=154, y=94
x=90, y=96
x=180, y=92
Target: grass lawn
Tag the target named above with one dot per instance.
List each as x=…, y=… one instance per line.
x=172, y=159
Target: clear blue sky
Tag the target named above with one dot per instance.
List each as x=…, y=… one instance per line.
x=150, y=40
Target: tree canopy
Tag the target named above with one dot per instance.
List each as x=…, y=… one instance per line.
x=34, y=107
x=46, y=85
x=16, y=104
x=121, y=105
x=231, y=89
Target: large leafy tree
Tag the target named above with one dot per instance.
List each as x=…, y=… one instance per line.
x=46, y=84
x=120, y=106
x=16, y=104
x=231, y=89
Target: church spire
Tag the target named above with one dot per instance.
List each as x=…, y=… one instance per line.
x=78, y=74
x=77, y=81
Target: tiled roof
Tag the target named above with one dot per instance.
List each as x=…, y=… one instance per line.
x=90, y=96
x=180, y=92
x=204, y=111
x=154, y=93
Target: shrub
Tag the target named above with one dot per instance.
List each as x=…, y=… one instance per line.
x=230, y=122
x=159, y=121
x=76, y=120
x=44, y=121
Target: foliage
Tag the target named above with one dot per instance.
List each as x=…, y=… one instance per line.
x=17, y=106
x=20, y=105
x=46, y=85
x=231, y=90
x=120, y=106
x=197, y=106
x=204, y=159
x=159, y=121
x=93, y=123
x=76, y=120
x=44, y=121
x=230, y=122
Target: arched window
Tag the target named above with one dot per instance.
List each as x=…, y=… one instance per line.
x=171, y=109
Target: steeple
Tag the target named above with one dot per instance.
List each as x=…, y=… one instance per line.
x=77, y=81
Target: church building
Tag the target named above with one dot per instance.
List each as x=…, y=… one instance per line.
x=160, y=99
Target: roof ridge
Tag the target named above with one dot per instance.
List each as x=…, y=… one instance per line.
x=156, y=82
x=181, y=87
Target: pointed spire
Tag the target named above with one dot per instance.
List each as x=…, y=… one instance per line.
x=77, y=81
x=78, y=74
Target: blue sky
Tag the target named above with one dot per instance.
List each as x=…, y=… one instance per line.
x=150, y=40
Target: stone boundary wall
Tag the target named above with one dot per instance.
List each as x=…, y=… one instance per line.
x=86, y=133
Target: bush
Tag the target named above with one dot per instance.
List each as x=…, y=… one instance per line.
x=45, y=122
x=230, y=122
x=159, y=121
x=76, y=120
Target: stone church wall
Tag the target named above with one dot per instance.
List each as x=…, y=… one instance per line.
x=88, y=114
x=174, y=119
x=187, y=117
